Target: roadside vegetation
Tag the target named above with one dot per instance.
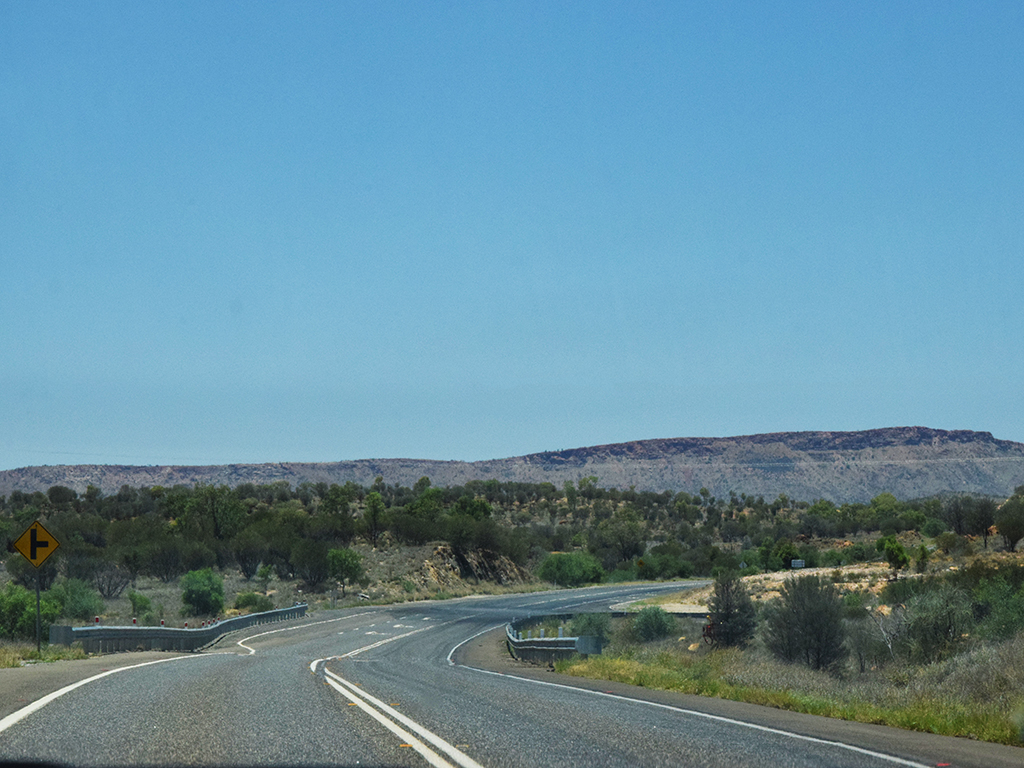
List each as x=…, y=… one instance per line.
x=186, y=553
x=938, y=652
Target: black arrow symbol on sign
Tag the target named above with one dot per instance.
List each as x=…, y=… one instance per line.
x=34, y=543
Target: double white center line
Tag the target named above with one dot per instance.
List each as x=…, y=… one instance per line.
x=396, y=722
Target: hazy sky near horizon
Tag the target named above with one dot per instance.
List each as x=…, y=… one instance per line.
x=249, y=232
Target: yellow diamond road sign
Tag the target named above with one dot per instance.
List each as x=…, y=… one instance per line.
x=36, y=544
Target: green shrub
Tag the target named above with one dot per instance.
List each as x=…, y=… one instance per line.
x=664, y=561
x=921, y=564
x=653, y=623
x=202, y=593
x=1003, y=609
x=140, y=603
x=857, y=553
x=570, y=569
x=77, y=599
x=591, y=624
x=263, y=577
x=938, y=621
x=896, y=592
x=832, y=557
x=805, y=624
x=255, y=603
x=732, y=610
x=18, y=612
x=620, y=575
x=895, y=553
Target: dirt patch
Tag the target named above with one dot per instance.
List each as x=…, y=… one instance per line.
x=766, y=586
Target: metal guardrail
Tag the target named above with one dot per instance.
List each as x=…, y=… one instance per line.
x=97, y=639
x=547, y=649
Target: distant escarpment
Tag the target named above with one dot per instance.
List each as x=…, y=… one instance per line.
x=909, y=462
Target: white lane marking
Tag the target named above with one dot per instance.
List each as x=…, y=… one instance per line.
x=379, y=643
x=35, y=706
x=313, y=664
x=365, y=699
x=251, y=651
x=451, y=661
x=719, y=718
x=452, y=751
x=407, y=738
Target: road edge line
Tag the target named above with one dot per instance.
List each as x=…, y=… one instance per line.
x=35, y=706
x=692, y=712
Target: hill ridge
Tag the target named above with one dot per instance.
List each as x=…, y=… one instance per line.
x=909, y=462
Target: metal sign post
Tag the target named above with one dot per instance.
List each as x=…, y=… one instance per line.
x=36, y=544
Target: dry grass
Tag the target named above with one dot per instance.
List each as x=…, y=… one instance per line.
x=979, y=694
x=17, y=654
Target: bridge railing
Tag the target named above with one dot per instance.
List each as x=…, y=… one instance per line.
x=100, y=639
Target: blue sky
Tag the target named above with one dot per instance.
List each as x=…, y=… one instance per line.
x=248, y=232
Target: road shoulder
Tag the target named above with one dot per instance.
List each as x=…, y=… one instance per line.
x=488, y=652
x=20, y=686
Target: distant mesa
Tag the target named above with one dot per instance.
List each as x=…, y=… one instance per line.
x=909, y=462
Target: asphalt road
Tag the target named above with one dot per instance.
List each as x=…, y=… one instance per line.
x=425, y=683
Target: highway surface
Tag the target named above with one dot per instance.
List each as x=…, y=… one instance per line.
x=424, y=684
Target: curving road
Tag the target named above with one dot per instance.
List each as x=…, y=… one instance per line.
x=425, y=683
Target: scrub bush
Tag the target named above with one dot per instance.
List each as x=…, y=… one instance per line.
x=570, y=569
x=653, y=623
x=202, y=593
x=77, y=599
x=255, y=603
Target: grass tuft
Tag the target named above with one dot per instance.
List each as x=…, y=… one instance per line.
x=17, y=654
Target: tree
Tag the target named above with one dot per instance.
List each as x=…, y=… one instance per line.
x=895, y=554
x=374, y=518
x=249, y=550
x=732, y=610
x=336, y=500
x=473, y=507
x=957, y=512
x=23, y=572
x=213, y=512
x=263, y=576
x=111, y=578
x=202, y=593
x=624, y=533
x=345, y=565
x=309, y=559
x=1010, y=521
x=571, y=495
x=805, y=624
x=982, y=517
